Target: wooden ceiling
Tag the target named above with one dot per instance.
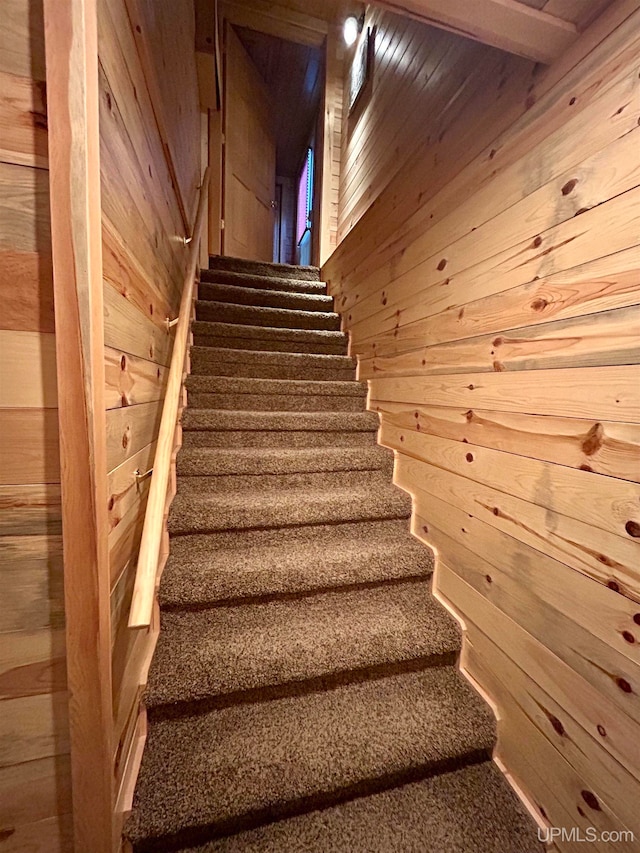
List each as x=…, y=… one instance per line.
x=293, y=74
x=537, y=29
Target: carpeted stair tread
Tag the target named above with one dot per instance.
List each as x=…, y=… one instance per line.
x=218, y=461
x=206, y=569
x=256, y=438
x=262, y=282
x=275, y=318
x=219, y=361
x=200, y=513
x=260, y=338
x=207, y=486
x=294, y=387
x=234, y=768
x=249, y=647
x=264, y=268
x=201, y=419
x=471, y=810
x=255, y=296
x=226, y=392
x=233, y=429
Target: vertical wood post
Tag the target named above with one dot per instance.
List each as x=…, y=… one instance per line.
x=74, y=158
x=332, y=71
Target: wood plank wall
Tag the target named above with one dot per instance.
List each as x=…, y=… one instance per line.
x=35, y=796
x=150, y=149
x=491, y=288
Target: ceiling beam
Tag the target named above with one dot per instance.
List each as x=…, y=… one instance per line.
x=276, y=20
x=506, y=24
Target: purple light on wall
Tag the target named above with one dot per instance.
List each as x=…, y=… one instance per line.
x=305, y=197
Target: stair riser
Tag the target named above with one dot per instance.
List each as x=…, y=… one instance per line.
x=266, y=298
x=216, y=465
x=259, y=282
x=209, y=519
x=285, y=422
x=269, y=439
x=204, y=367
x=305, y=361
x=204, y=570
x=271, y=345
x=373, y=478
x=264, y=268
x=275, y=402
x=273, y=318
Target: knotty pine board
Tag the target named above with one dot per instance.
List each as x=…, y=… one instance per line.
x=602, y=447
x=604, y=393
x=529, y=108
x=599, y=285
x=34, y=752
x=606, y=503
x=601, y=555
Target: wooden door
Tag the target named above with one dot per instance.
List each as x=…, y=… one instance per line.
x=249, y=157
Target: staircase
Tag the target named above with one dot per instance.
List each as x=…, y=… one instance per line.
x=304, y=693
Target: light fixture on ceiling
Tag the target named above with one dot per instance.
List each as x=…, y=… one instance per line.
x=352, y=29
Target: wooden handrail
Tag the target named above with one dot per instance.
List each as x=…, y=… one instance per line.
x=147, y=568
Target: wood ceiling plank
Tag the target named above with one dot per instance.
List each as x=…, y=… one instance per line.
x=506, y=24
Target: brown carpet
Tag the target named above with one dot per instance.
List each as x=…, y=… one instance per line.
x=303, y=695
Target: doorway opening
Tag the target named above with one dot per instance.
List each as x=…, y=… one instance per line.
x=292, y=75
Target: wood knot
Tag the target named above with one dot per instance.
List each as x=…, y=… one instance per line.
x=112, y=503
x=591, y=800
x=158, y=373
x=601, y=730
x=498, y=366
x=401, y=438
x=496, y=510
x=469, y=457
x=593, y=440
x=569, y=186
x=488, y=578
x=557, y=725
x=492, y=153
x=384, y=301
x=498, y=342
x=469, y=415
x=537, y=242
x=624, y=685
x=123, y=400
x=442, y=264
x=424, y=361
x=636, y=618
x=425, y=529
x=418, y=427
x=471, y=387
x=633, y=529
x=628, y=636
x=151, y=310
x=572, y=101
x=416, y=415
x=614, y=585
x=461, y=314
x=585, y=467
x=123, y=363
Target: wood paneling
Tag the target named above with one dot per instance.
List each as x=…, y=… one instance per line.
x=150, y=148
x=490, y=282
x=249, y=180
x=35, y=776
